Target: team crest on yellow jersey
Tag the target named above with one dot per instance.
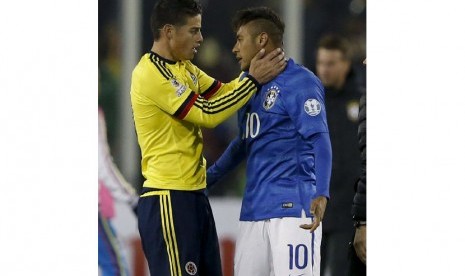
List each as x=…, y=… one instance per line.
x=180, y=88
x=270, y=97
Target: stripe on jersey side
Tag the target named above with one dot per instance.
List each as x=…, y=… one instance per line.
x=313, y=249
x=169, y=235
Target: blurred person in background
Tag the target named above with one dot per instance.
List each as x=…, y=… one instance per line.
x=112, y=186
x=284, y=138
x=358, y=249
x=333, y=67
x=171, y=99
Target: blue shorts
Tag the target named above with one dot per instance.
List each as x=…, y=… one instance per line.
x=178, y=233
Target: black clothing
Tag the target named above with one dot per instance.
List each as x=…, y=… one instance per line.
x=357, y=267
x=342, y=114
x=360, y=202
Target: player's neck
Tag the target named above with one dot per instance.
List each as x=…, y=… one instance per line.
x=162, y=49
x=269, y=48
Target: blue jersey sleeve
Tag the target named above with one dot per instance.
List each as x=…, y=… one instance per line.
x=232, y=156
x=321, y=145
x=305, y=105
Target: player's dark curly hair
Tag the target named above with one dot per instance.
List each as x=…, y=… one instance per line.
x=174, y=12
x=265, y=20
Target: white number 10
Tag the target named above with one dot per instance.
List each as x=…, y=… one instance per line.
x=252, y=126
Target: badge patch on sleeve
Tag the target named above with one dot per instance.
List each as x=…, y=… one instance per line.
x=180, y=89
x=194, y=78
x=270, y=97
x=312, y=107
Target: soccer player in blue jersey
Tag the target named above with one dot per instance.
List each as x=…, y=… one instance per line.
x=284, y=137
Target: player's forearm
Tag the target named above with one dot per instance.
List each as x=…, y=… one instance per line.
x=232, y=156
x=211, y=112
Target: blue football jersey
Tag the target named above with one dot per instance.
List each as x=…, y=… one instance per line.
x=276, y=126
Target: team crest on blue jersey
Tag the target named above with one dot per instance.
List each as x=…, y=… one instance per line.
x=312, y=107
x=180, y=89
x=194, y=78
x=270, y=97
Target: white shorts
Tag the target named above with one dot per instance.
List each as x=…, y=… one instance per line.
x=277, y=247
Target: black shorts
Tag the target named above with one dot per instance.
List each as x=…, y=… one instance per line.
x=178, y=233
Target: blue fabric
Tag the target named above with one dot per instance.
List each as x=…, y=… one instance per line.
x=179, y=228
x=232, y=156
x=284, y=134
x=110, y=259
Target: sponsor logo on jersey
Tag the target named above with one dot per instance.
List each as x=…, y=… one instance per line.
x=194, y=78
x=312, y=107
x=287, y=205
x=270, y=97
x=180, y=89
x=191, y=268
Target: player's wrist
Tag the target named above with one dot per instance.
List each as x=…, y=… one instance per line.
x=360, y=223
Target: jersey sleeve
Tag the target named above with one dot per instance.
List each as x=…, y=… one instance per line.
x=306, y=106
x=210, y=112
x=230, y=158
x=210, y=106
x=320, y=144
x=211, y=88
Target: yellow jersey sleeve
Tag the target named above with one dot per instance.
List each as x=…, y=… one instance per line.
x=216, y=101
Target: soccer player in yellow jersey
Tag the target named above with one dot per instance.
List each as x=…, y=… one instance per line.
x=171, y=99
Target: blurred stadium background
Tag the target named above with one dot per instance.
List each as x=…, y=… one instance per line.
x=124, y=35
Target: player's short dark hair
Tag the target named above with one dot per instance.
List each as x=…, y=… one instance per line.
x=265, y=20
x=336, y=42
x=174, y=12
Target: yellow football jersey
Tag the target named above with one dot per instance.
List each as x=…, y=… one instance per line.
x=170, y=102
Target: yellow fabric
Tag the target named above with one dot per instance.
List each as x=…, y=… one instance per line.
x=169, y=108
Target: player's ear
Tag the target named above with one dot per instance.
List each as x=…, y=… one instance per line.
x=263, y=39
x=168, y=30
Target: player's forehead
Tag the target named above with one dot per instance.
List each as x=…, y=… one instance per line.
x=193, y=22
x=244, y=30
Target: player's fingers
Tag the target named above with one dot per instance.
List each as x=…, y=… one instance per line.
x=312, y=226
x=275, y=54
x=361, y=252
x=306, y=226
x=259, y=55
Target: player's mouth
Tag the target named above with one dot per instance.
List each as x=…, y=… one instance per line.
x=194, y=49
x=239, y=60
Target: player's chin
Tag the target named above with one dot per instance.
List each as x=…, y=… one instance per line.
x=189, y=55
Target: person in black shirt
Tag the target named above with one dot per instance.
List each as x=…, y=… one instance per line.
x=333, y=67
x=358, y=250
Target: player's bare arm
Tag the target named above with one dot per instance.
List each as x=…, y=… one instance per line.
x=266, y=67
x=360, y=243
x=317, y=209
